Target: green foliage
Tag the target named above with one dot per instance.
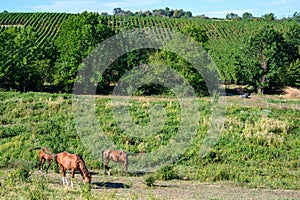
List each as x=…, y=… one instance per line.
x=166, y=173
x=293, y=74
x=265, y=59
x=247, y=15
x=197, y=33
x=78, y=36
x=40, y=189
x=149, y=180
x=20, y=175
x=183, y=67
x=257, y=147
x=47, y=56
x=269, y=17
x=24, y=67
x=232, y=16
x=86, y=192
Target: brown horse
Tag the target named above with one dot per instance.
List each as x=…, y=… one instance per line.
x=73, y=162
x=118, y=156
x=44, y=155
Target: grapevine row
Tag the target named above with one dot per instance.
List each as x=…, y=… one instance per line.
x=224, y=35
x=46, y=24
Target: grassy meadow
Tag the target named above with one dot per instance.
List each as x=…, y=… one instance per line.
x=258, y=145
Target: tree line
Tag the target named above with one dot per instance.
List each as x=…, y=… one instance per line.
x=266, y=61
x=180, y=13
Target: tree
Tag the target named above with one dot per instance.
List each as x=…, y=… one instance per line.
x=120, y=12
x=178, y=13
x=181, y=65
x=296, y=16
x=247, y=15
x=7, y=45
x=24, y=63
x=117, y=11
x=158, y=12
x=292, y=74
x=188, y=14
x=232, y=16
x=269, y=17
x=265, y=60
x=168, y=12
x=78, y=36
x=292, y=37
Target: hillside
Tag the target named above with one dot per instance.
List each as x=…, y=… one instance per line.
x=228, y=42
x=257, y=147
x=46, y=24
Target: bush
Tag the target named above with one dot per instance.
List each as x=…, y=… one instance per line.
x=149, y=180
x=20, y=175
x=167, y=173
x=23, y=172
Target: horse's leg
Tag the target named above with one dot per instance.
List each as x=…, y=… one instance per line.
x=64, y=179
x=49, y=164
x=107, y=170
x=106, y=166
x=124, y=167
x=42, y=160
x=72, y=175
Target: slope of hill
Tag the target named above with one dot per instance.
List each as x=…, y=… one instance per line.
x=225, y=44
x=257, y=147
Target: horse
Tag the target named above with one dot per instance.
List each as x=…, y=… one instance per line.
x=118, y=156
x=73, y=162
x=44, y=155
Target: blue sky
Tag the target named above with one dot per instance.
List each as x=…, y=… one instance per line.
x=210, y=8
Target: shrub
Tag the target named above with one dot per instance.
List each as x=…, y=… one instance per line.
x=167, y=173
x=20, y=175
x=149, y=180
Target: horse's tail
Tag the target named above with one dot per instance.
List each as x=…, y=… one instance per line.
x=102, y=152
x=104, y=159
x=126, y=161
x=35, y=148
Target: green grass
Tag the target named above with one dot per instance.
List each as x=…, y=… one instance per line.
x=256, y=148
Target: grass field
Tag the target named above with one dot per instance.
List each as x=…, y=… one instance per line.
x=255, y=156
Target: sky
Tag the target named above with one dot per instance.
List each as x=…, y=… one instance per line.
x=210, y=8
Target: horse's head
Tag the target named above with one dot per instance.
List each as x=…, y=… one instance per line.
x=87, y=178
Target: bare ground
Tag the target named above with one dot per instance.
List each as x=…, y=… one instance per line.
x=129, y=187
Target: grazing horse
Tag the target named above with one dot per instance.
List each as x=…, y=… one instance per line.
x=73, y=162
x=118, y=156
x=44, y=155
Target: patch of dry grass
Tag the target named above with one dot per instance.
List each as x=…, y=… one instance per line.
x=291, y=93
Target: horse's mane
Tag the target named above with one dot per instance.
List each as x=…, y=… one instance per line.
x=84, y=168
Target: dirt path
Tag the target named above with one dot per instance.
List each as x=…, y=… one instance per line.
x=266, y=101
x=122, y=187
